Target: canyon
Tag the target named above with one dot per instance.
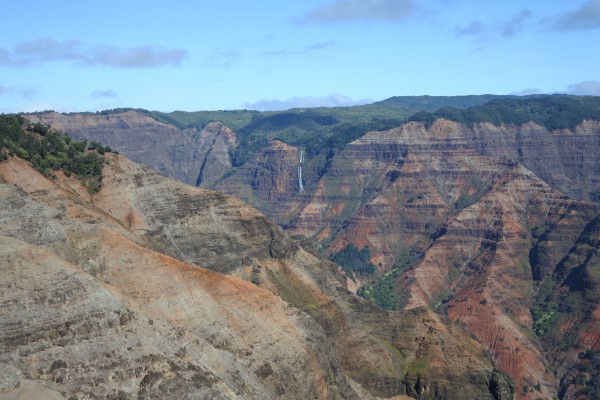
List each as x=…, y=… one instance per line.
x=471, y=228
x=114, y=294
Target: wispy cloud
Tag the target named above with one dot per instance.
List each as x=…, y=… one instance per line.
x=300, y=51
x=222, y=58
x=527, y=92
x=585, y=17
x=44, y=50
x=516, y=24
x=4, y=90
x=586, y=88
x=365, y=10
x=333, y=100
x=104, y=94
x=474, y=28
x=491, y=30
x=26, y=92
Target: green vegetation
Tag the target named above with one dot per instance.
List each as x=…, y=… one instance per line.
x=384, y=291
x=565, y=302
x=589, y=375
x=234, y=119
x=353, y=260
x=289, y=290
x=318, y=130
x=579, y=272
x=418, y=366
x=543, y=322
x=49, y=150
x=432, y=103
x=552, y=112
x=322, y=131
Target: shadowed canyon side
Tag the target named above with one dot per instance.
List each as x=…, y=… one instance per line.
x=271, y=179
x=189, y=155
x=112, y=316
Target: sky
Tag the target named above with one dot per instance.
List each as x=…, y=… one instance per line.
x=91, y=55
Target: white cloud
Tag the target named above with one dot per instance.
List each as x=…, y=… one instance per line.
x=474, y=28
x=222, y=58
x=44, y=50
x=526, y=92
x=333, y=100
x=515, y=25
x=586, y=88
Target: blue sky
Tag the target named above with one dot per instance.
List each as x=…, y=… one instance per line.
x=231, y=54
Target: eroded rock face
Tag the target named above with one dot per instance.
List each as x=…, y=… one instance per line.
x=573, y=307
x=89, y=309
x=92, y=308
x=486, y=261
x=447, y=163
x=455, y=199
x=569, y=160
x=392, y=190
x=271, y=179
x=190, y=156
x=487, y=232
x=133, y=336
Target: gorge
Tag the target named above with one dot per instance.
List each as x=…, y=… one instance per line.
x=470, y=236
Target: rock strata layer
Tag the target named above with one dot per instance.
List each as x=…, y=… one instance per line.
x=478, y=222
x=196, y=157
x=106, y=296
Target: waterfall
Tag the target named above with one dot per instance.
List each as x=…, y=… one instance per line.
x=300, y=179
x=300, y=185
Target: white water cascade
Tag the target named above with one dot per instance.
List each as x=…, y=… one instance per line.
x=300, y=185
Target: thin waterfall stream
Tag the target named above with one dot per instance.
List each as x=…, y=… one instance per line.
x=300, y=185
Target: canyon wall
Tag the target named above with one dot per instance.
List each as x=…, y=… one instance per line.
x=189, y=155
x=482, y=223
x=112, y=295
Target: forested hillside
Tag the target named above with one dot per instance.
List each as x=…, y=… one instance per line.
x=48, y=150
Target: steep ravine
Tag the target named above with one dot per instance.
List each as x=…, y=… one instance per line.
x=472, y=220
x=107, y=298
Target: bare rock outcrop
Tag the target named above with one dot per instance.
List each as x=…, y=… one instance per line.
x=473, y=221
x=105, y=296
x=88, y=310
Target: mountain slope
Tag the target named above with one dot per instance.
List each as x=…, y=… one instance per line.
x=401, y=194
x=94, y=292
x=488, y=265
x=458, y=211
x=178, y=144
x=191, y=155
x=189, y=330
